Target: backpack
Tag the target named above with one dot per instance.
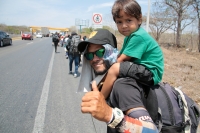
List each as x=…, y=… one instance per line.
x=171, y=110
x=55, y=38
x=74, y=44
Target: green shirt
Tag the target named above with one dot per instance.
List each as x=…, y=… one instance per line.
x=146, y=51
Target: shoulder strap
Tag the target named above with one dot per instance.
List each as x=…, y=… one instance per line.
x=185, y=111
x=160, y=123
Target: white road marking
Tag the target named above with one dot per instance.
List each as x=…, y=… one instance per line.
x=40, y=116
x=29, y=43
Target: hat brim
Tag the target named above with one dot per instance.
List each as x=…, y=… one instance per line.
x=82, y=45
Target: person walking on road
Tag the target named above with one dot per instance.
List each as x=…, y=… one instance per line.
x=56, y=41
x=73, y=53
x=65, y=45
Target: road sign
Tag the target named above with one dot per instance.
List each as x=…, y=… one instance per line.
x=97, y=18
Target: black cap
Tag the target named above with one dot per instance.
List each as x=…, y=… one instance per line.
x=100, y=36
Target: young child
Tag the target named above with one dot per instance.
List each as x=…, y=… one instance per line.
x=139, y=49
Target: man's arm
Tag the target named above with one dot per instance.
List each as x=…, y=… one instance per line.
x=94, y=103
x=131, y=125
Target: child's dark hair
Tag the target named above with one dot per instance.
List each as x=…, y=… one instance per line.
x=130, y=7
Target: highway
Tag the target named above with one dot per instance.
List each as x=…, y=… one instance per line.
x=37, y=95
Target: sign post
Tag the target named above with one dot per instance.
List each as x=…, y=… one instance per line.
x=80, y=23
x=97, y=20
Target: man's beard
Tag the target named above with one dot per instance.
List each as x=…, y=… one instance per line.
x=100, y=72
x=107, y=66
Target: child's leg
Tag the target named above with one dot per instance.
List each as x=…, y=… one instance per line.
x=111, y=76
x=139, y=72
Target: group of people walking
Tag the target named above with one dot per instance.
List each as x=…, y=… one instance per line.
x=70, y=43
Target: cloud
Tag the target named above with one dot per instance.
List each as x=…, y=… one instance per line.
x=91, y=8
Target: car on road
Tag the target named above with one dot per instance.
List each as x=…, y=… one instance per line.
x=39, y=35
x=27, y=35
x=5, y=39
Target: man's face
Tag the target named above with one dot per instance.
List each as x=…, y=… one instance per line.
x=97, y=63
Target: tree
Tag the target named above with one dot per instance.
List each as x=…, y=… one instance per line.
x=13, y=29
x=2, y=27
x=196, y=6
x=87, y=30
x=161, y=19
x=73, y=28
x=184, y=18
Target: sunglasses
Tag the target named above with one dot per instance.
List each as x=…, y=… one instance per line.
x=90, y=55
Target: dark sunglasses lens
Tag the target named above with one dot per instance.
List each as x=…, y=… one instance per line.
x=100, y=53
x=89, y=56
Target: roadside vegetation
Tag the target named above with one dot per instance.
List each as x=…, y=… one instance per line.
x=14, y=29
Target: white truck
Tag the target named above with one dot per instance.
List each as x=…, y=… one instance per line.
x=45, y=31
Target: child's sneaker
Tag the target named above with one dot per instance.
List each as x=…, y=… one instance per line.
x=70, y=72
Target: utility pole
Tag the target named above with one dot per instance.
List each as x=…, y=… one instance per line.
x=148, y=14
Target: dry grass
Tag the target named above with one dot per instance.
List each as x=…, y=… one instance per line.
x=182, y=68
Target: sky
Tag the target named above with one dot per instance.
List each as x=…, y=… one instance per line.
x=56, y=13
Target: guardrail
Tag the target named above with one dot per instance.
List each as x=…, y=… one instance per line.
x=14, y=35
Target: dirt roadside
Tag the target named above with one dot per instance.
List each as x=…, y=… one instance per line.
x=182, y=69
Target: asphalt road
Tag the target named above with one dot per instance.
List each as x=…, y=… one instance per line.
x=37, y=95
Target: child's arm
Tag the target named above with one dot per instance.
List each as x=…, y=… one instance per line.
x=110, y=78
x=123, y=57
x=112, y=75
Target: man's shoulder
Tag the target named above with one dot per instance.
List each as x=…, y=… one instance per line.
x=124, y=81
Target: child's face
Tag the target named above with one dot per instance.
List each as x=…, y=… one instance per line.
x=127, y=24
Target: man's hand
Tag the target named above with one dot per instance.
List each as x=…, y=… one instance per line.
x=93, y=102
